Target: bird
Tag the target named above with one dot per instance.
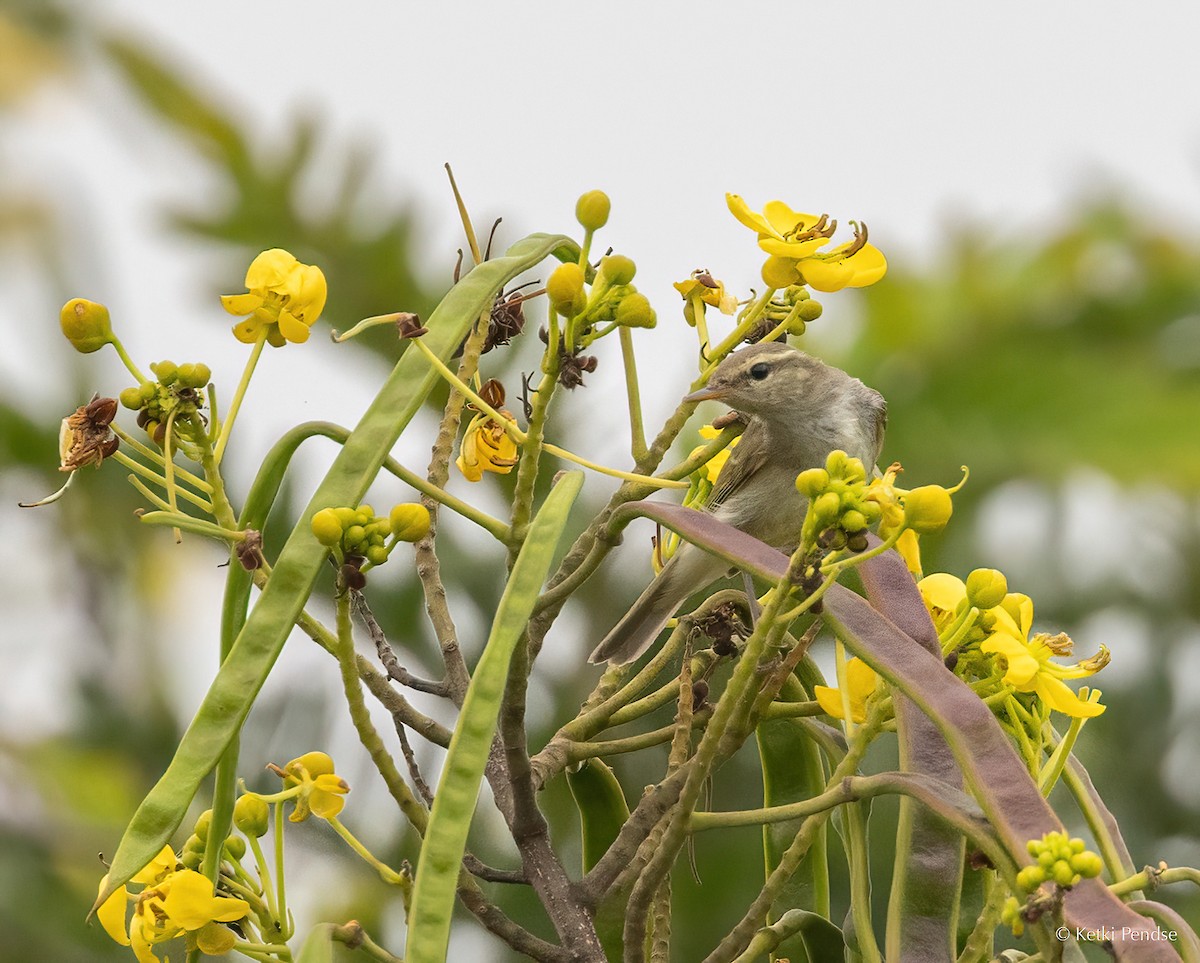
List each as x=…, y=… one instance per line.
x=798, y=409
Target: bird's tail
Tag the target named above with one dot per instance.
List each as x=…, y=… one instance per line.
x=688, y=571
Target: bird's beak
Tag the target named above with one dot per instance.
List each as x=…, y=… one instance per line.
x=706, y=394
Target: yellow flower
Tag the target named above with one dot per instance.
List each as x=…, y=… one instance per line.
x=1027, y=660
x=486, y=446
x=321, y=789
x=789, y=235
x=712, y=467
x=285, y=299
x=860, y=679
x=709, y=290
x=174, y=902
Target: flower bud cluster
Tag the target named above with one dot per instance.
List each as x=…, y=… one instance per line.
x=234, y=847
x=793, y=304
x=360, y=538
x=178, y=388
x=838, y=513
x=1060, y=860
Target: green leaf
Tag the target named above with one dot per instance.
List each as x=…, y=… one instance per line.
x=261, y=639
x=454, y=802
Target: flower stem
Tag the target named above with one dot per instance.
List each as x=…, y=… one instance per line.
x=126, y=360
x=138, y=468
x=238, y=395
x=614, y=472
x=744, y=327
x=468, y=228
x=149, y=453
x=386, y=873
x=515, y=433
x=636, y=431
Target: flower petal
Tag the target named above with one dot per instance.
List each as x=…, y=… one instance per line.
x=111, y=913
x=247, y=331
x=270, y=269
x=942, y=590
x=869, y=266
x=826, y=274
x=292, y=328
x=751, y=219
x=1022, y=666
x=1059, y=697
x=240, y=304
x=792, y=249
x=190, y=902
x=784, y=220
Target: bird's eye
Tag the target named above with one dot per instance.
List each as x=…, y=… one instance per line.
x=759, y=371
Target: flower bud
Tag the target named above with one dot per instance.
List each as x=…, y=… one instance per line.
x=634, y=311
x=315, y=763
x=1030, y=878
x=927, y=509
x=779, y=272
x=202, y=824
x=377, y=554
x=1064, y=875
x=617, y=269
x=185, y=374
x=812, y=482
x=194, y=844
x=854, y=521
x=986, y=588
x=564, y=288
x=131, y=398
x=410, y=522
x=86, y=325
x=826, y=507
x=327, y=527
x=235, y=847
x=810, y=310
x=591, y=210
x=165, y=371
x=250, y=815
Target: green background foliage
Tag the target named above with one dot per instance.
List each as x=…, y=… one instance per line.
x=1062, y=368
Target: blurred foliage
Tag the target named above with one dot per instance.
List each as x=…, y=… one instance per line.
x=1024, y=357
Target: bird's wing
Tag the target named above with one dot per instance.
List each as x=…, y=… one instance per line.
x=745, y=460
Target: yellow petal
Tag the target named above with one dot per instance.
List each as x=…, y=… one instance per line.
x=326, y=804
x=311, y=293
x=784, y=220
x=869, y=266
x=471, y=471
x=942, y=590
x=292, y=328
x=112, y=913
x=1022, y=666
x=240, y=304
x=247, y=331
x=830, y=701
x=826, y=275
x=910, y=550
x=214, y=939
x=190, y=902
x=792, y=249
x=270, y=269
x=751, y=219
x=141, y=947
x=1059, y=697
x=162, y=864
x=861, y=678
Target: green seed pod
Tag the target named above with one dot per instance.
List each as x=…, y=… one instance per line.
x=131, y=398
x=327, y=527
x=86, y=325
x=592, y=209
x=617, y=269
x=986, y=588
x=250, y=815
x=812, y=482
x=634, y=311
x=564, y=288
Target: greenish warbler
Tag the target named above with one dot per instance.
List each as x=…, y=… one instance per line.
x=798, y=409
